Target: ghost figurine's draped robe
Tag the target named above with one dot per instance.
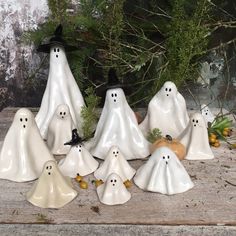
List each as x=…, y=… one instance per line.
x=23, y=151
x=118, y=126
x=61, y=89
x=166, y=111
x=163, y=173
x=195, y=139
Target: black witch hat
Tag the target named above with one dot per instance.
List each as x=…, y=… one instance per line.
x=113, y=81
x=56, y=40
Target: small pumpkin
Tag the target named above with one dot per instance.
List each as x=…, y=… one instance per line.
x=177, y=147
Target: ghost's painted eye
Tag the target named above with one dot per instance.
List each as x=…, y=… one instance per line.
x=196, y=121
x=21, y=119
x=115, y=180
x=47, y=167
x=58, y=50
x=111, y=180
x=166, y=89
x=169, y=89
x=26, y=119
x=55, y=49
x=193, y=120
x=115, y=95
x=64, y=113
x=168, y=157
x=117, y=152
x=114, y=152
x=112, y=95
x=60, y=113
x=163, y=157
x=50, y=167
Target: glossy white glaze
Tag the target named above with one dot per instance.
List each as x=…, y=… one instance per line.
x=118, y=126
x=115, y=162
x=61, y=89
x=23, y=151
x=78, y=161
x=52, y=189
x=207, y=114
x=195, y=139
x=59, y=130
x=113, y=191
x=166, y=111
x=163, y=173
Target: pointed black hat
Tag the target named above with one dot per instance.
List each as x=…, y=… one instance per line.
x=113, y=81
x=56, y=40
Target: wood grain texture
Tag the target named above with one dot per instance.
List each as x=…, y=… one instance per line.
x=211, y=202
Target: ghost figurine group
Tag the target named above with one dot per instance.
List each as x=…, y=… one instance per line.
x=28, y=148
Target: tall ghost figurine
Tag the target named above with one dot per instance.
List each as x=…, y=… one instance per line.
x=61, y=86
x=163, y=173
x=59, y=130
x=78, y=162
x=195, y=139
x=166, y=111
x=115, y=162
x=118, y=126
x=113, y=191
x=207, y=114
x=52, y=189
x=23, y=151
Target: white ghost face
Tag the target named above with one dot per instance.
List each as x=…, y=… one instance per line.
x=62, y=111
x=79, y=147
x=57, y=54
x=49, y=168
x=205, y=111
x=113, y=181
x=197, y=120
x=166, y=158
x=114, y=151
x=169, y=89
x=23, y=118
x=115, y=96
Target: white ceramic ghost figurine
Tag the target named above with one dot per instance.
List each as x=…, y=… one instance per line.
x=59, y=130
x=166, y=111
x=163, y=173
x=52, y=189
x=118, y=126
x=195, y=139
x=61, y=86
x=78, y=162
x=113, y=191
x=23, y=151
x=115, y=162
x=207, y=114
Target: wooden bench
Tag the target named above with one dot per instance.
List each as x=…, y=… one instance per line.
x=208, y=209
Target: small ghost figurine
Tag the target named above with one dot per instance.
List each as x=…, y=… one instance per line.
x=207, y=114
x=166, y=111
x=52, y=189
x=163, y=173
x=115, y=162
x=59, y=130
x=23, y=151
x=195, y=139
x=78, y=162
x=118, y=126
x=113, y=191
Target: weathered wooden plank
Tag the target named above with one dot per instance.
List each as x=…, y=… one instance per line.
x=211, y=202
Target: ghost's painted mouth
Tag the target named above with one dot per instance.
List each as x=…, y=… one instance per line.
x=62, y=117
x=206, y=114
x=24, y=126
x=114, y=100
x=56, y=56
x=49, y=173
x=116, y=155
x=166, y=162
x=113, y=184
x=167, y=95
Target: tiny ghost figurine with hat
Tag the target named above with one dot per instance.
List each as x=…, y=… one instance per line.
x=61, y=86
x=117, y=125
x=163, y=173
x=207, y=114
x=52, y=189
x=59, y=130
x=115, y=162
x=113, y=191
x=195, y=139
x=166, y=111
x=23, y=151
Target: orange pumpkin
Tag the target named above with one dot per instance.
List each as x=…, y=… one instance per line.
x=177, y=147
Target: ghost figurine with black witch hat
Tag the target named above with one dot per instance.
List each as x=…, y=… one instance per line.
x=207, y=114
x=59, y=130
x=78, y=162
x=23, y=151
x=118, y=126
x=113, y=191
x=195, y=139
x=61, y=86
x=115, y=162
x=52, y=189
x=166, y=111
x=163, y=173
